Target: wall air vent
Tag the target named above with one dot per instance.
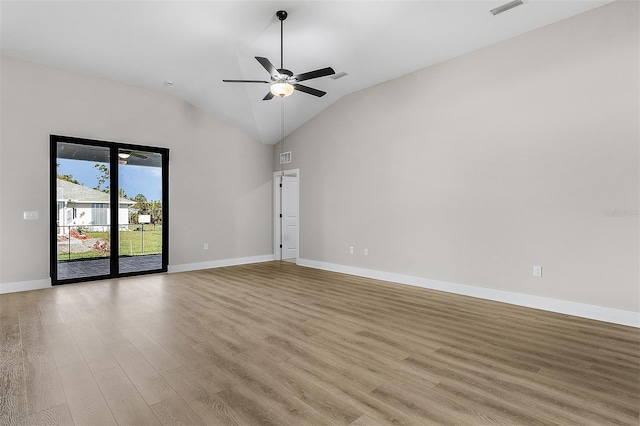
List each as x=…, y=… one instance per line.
x=498, y=10
x=285, y=157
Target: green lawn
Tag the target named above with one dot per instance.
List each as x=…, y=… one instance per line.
x=74, y=256
x=131, y=243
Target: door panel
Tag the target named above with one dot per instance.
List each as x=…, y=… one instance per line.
x=140, y=213
x=290, y=206
x=82, y=233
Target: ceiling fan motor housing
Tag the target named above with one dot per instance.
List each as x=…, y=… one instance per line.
x=284, y=74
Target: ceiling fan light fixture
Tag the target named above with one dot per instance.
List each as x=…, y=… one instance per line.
x=124, y=155
x=282, y=89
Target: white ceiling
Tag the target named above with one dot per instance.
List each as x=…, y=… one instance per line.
x=198, y=43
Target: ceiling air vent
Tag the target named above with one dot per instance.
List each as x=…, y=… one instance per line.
x=498, y=10
x=285, y=157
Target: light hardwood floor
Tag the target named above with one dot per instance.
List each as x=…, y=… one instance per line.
x=274, y=343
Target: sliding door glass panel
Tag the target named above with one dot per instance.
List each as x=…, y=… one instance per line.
x=83, y=243
x=140, y=211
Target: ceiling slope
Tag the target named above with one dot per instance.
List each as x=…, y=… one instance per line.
x=196, y=44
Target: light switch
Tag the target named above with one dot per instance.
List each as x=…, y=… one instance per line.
x=30, y=215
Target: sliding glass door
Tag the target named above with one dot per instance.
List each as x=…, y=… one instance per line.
x=83, y=226
x=140, y=225
x=108, y=209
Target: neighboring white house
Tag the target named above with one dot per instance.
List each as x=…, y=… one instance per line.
x=86, y=207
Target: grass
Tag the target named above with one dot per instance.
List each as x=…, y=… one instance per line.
x=130, y=244
x=75, y=256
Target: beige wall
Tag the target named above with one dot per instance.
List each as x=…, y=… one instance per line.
x=474, y=170
x=220, y=179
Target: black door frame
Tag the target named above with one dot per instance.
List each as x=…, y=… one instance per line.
x=114, y=200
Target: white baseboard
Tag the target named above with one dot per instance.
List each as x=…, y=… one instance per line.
x=600, y=313
x=24, y=286
x=219, y=263
x=42, y=284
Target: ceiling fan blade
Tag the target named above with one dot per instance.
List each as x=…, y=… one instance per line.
x=245, y=81
x=268, y=66
x=309, y=90
x=314, y=74
x=268, y=97
x=137, y=154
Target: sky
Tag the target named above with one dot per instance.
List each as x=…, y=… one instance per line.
x=133, y=179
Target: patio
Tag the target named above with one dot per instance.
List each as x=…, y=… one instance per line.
x=72, y=269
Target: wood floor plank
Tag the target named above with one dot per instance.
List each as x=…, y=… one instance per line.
x=153, y=352
x=93, y=350
x=105, y=329
x=227, y=373
x=249, y=410
x=201, y=398
x=49, y=314
x=352, y=392
x=62, y=344
x=69, y=312
x=31, y=329
x=13, y=394
x=174, y=411
x=181, y=348
x=317, y=397
x=42, y=384
x=54, y=416
x=86, y=403
x=126, y=404
x=365, y=421
x=294, y=411
x=144, y=377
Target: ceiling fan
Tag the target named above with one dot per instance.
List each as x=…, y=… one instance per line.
x=284, y=82
x=124, y=154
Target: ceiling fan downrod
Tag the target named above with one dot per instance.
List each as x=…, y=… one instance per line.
x=282, y=15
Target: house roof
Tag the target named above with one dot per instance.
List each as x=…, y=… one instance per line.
x=68, y=191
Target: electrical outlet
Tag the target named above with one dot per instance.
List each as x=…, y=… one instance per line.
x=351, y=250
x=537, y=271
x=366, y=252
x=206, y=246
x=30, y=215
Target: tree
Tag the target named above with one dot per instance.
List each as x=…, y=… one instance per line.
x=141, y=205
x=104, y=176
x=68, y=178
x=155, y=210
x=144, y=206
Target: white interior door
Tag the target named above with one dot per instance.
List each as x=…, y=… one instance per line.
x=286, y=214
x=290, y=217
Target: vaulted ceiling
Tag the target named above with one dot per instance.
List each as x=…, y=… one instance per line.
x=197, y=44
